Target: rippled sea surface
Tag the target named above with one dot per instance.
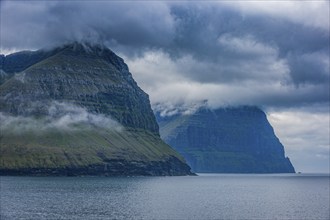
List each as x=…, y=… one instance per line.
x=207, y=196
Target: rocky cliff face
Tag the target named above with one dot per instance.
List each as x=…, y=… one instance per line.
x=77, y=110
x=226, y=140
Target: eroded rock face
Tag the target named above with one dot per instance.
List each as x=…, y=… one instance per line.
x=226, y=140
x=92, y=77
x=75, y=94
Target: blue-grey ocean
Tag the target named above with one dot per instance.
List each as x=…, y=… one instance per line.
x=207, y=196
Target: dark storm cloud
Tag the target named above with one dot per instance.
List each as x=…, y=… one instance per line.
x=47, y=23
x=309, y=68
x=198, y=30
x=207, y=43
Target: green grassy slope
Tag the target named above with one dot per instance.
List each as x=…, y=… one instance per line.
x=63, y=149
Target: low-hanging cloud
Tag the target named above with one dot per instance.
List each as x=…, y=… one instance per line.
x=213, y=42
x=180, y=87
x=59, y=115
x=57, y=22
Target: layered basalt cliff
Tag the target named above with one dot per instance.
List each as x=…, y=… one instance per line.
x=76, y=110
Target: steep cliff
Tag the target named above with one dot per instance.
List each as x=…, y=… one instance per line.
x=76, y=110
x=226, y=140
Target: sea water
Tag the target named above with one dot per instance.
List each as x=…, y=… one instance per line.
x=207, y=196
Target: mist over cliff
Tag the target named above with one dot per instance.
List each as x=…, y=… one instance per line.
x=76, y=110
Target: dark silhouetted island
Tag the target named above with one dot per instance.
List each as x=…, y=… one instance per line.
x=226, y=140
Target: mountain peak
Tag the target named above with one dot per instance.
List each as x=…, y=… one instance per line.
x=83, y=50
x=78, y=93
x=19, y=61
x=87, y=47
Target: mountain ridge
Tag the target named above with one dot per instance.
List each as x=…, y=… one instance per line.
x=69, y=93
x=226, y=140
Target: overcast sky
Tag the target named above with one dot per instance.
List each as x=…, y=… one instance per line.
x=271, y=54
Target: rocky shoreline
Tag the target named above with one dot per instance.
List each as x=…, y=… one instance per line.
x=170, y=167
